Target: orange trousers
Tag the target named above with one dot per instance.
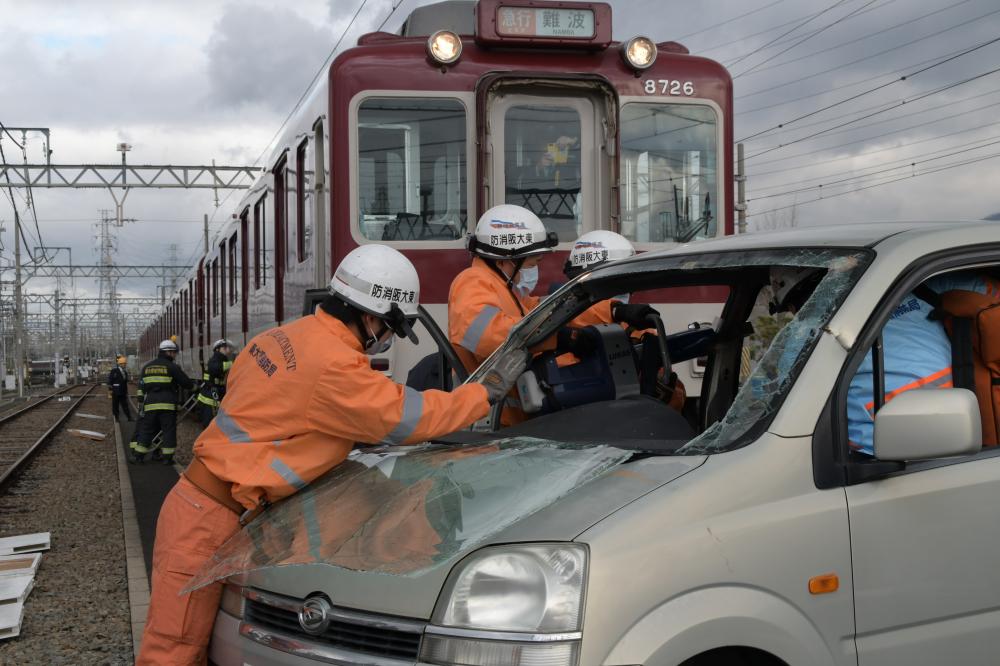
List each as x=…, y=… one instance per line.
x=191, y=527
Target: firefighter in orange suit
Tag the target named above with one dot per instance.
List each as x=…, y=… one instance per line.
x=298, y=400
x=487, y=299
x=593, y=249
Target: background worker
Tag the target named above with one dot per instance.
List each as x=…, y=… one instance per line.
x=299, y=398
x=487, y=299
x=118, y=389
x=213, y=386
x=159, y=384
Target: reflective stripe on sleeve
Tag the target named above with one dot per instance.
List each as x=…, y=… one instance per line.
x=288, y=474
x=413, y=409
x=207, y=401
x=478, y=326
x=229, y=428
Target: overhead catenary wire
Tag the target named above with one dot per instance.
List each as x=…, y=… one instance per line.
x=905, y=77
x=908, y=164
x=907, y=160
x=840, y=67
x=804, y=39
x=784, y=34
x=895, y=106
x=882, y=184
x=730, y=20
x=757, y=69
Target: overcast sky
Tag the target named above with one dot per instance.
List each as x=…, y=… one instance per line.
x=189, y=82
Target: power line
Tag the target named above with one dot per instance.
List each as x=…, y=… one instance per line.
x=875, y=113
x=842, y=66
x=885, y=105
x=770, y=43
x=759, y=69
x=850, y=157
x=871, y=90
x=868, y=187
x=295, y=108
x=735, y=18
x=910, y=164
x=807, y=37
x=784, y=160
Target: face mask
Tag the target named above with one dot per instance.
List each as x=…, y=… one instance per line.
x=377, y=345
x=621, y=297
x=527, y=280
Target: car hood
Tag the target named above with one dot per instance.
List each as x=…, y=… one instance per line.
x=381, y=531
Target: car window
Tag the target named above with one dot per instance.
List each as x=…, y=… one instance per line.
x=731, y=410
x=916, y=350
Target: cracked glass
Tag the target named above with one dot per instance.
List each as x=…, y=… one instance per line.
x=404, y=510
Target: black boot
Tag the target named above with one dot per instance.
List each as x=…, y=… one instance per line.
x=167, y=459
x=135, y=458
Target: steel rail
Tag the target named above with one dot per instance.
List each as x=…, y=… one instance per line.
x=12, y=471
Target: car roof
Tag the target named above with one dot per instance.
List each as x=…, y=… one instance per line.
x=859, y=235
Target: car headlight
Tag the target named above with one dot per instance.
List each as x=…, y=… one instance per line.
x=517, y=604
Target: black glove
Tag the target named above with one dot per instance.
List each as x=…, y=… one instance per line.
x=501, y=377
x=578, y=341
x=636, y=315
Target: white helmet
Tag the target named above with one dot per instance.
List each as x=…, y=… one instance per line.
x=597, y=247
x=381, y=281
x=511, y=232
x=168, y=345
x=791, y=286
x=221, y=342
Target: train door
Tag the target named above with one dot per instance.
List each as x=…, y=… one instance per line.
x=550, y=155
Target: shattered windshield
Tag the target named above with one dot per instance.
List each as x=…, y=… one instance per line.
x=404, y=510
x=757, y=350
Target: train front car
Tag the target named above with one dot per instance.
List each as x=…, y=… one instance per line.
x=530, y=103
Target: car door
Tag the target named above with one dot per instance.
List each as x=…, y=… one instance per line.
x=927, y=581
x=924, y=543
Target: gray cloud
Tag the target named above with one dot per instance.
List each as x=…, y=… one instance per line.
x=263, y=56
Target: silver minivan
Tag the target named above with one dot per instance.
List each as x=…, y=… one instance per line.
x=610, y=529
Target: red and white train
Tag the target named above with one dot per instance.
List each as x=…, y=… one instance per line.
x=410, y=136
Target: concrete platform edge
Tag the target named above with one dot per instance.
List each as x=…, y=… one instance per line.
x=135, y=565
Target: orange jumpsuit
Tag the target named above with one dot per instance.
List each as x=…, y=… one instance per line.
x=300, y=396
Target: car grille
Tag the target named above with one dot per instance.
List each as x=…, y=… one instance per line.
x=365, y=637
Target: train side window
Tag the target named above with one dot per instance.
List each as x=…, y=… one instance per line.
x=669, y=172
x=233, y=293
x=302, y=199
x=412, y=169
x=260, y=233
x=542, y=164
x=223, y=287
x=280, y=243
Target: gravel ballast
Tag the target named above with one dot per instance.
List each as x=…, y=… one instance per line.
x=78, y=612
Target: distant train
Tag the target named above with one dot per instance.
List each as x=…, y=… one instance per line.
x=410, y=136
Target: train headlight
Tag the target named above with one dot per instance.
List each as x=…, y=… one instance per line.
x=445, y=47
x=639, y=52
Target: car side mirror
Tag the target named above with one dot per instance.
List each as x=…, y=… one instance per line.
x=928, y=423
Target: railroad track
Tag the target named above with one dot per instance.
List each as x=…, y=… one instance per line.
x=24, y=431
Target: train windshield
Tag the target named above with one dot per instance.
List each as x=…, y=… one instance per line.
x=542, y=164
x=669, y=172
x=412, y=166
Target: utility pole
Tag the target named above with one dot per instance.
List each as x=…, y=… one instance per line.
x=74, y=343
x=206, y=234
x=741, y=194
x=18, y=310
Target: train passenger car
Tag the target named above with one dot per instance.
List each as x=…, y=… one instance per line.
x=412, y=134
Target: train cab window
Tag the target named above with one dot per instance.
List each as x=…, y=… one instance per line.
x=542, y=164
x=669, y=172
x=412, y=166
